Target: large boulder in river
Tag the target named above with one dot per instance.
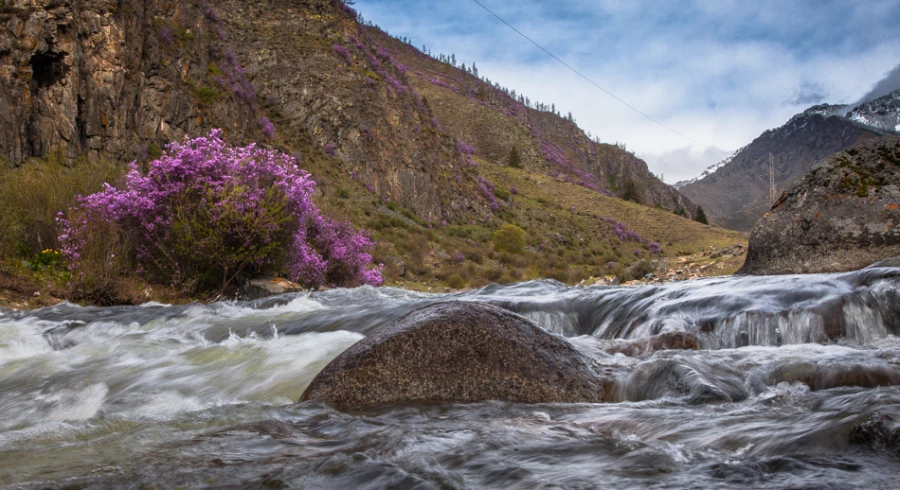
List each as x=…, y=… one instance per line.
x=458, y=352
x=842, y=216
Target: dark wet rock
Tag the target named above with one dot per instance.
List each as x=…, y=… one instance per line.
x=263, y=288
x=879, y=432
x=660, y=378
x=462, y=352
x=824, y=376
x=891, y=262
x=663, y=341
x=842, y=216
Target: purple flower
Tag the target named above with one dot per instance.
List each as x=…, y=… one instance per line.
x=464, y=148
x=344, y=53
x=267, y=127
x=166, y=35
x=211, y=15
x=487, y=189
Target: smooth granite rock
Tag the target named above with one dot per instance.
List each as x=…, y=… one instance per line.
x=459, y=352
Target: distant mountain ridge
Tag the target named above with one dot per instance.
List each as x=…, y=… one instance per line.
x=735, y=192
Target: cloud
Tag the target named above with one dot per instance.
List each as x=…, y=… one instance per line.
x=890, y=83
x=808, y=94
x=719, y=72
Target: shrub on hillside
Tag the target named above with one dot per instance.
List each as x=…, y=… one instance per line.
x=510, y=239
x=207, y=213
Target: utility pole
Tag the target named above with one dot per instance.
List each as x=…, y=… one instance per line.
x=771, y=179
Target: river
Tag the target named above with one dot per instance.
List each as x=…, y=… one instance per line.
x=160, y=396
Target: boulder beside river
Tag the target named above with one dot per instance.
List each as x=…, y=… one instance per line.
x=459, y=352
x=842, y=216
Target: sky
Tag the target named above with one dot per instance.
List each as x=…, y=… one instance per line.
x=719, y=72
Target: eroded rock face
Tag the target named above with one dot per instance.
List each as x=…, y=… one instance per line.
x=842, y=216
x=104, y=79
x=460, y=352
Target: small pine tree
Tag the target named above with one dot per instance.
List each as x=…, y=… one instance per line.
x=515, y=158
x=630, y=192
x=701, y=216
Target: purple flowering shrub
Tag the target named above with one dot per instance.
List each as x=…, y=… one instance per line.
x=487, y=189
x=166, y=34
x=268, y=128
x=464, y=148
x=237, y=79
x=207, y=213
x=344, y=53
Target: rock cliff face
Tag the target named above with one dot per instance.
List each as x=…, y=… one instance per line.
x=842, y=216
x=94, y=77
x=120, y=79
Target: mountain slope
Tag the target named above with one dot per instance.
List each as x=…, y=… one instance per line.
x=736, y=194
x=398, y=142
x=882, y=113
x=492, y=122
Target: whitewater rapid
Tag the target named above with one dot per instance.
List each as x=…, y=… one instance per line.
x=204, y=395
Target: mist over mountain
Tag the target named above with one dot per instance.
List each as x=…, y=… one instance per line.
x=890, y=83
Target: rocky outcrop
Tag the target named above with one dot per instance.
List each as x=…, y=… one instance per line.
x=458, y=352
x=263, y=288
x=844, y=215
x=878, y=432
x=105, y=79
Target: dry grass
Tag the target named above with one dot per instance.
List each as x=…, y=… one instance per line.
x=32, y=195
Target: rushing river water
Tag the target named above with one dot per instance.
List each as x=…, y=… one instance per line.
x=203, y=395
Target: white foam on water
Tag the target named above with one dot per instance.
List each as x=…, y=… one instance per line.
x=69, y=405
x=165, y=405
x=277, y=370
x=19, y=340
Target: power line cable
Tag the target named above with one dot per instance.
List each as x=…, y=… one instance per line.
x=607, y=92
